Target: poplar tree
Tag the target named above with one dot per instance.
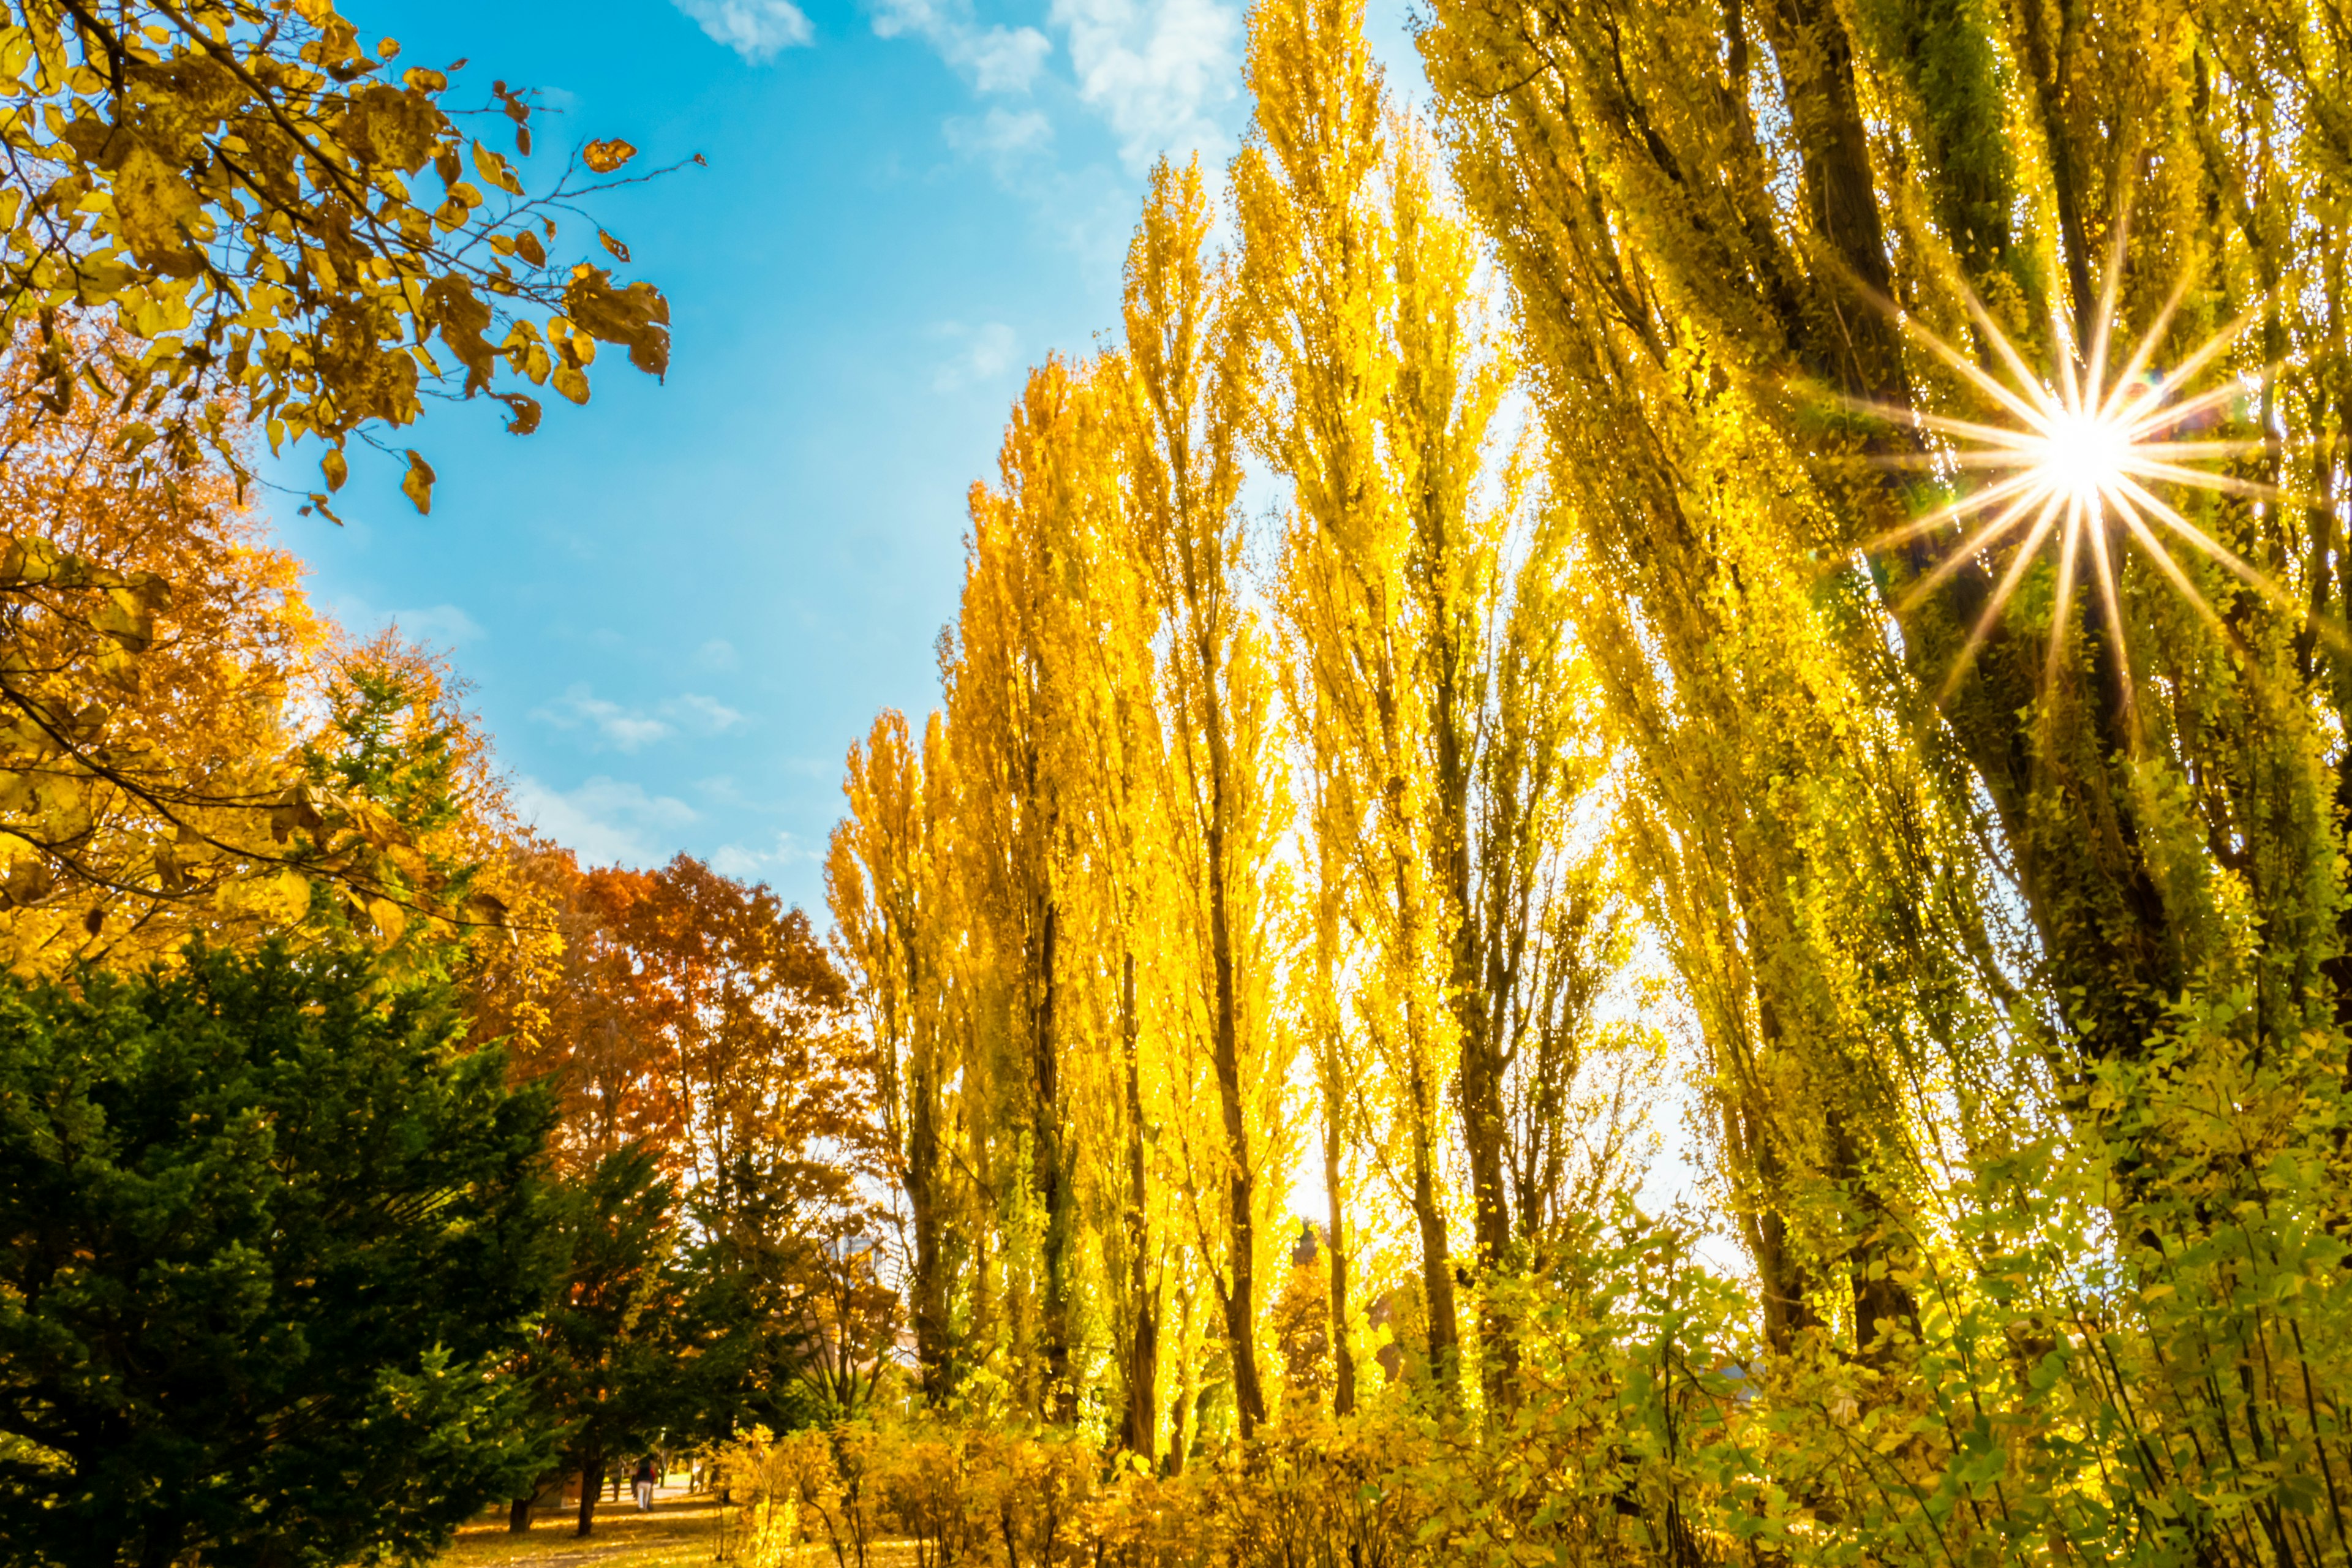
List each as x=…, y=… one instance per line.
x=1225, y=786
x=884, y=887
x=1317, y=268
x=1014, y=722
x=1766, y=260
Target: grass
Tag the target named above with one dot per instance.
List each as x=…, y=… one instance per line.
x=680, y=1532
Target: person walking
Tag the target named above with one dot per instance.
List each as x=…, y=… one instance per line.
x=644, y=1484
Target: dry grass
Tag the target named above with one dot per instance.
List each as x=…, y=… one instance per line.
x=681, y=1533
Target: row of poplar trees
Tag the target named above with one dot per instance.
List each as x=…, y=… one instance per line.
x=1241, y=847
x=1490, y=567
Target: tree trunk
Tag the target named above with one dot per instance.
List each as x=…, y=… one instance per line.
x=592, y=1481
x=160, y=1545
x=1436, y=1261
x=928, y=1288
x=1141, y=1428
x=1482, y=1074
x=1060, y=1398
x=1180, y=1437
x=518, y=1515
x=1343, y=1363
x=1482, y=1136
x=1241, y=1297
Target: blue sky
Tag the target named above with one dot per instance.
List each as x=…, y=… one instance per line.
x=678, y=606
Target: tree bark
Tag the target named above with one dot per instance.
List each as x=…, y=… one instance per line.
x=1241, y=1297
x=592, y=1481
x=1141, y=1426
x=1060, y=1398
x=1343, y=1364
x=1436, y=1259
x=1481, y=1068
x=929, y=1285
x=1180, y=1434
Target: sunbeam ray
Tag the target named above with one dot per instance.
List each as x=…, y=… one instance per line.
x=2077, y=450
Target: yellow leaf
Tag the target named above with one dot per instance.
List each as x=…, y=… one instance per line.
x=153, y=207
x=387, y=919
x=281, y=899
x=417, y=483
x=571, y=383
x=604, y=157
x=494, y=169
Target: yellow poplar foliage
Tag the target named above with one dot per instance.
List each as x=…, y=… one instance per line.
x=1237, y=835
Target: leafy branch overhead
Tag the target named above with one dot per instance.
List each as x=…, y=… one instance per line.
x=274, y=212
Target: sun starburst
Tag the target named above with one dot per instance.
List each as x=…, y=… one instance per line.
x=2074, y=463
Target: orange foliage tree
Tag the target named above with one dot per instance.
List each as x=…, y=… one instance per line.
x=185, y=743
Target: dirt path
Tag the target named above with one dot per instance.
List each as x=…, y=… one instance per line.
x=682, y=1531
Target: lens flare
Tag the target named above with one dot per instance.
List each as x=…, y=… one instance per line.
x=2074, y=462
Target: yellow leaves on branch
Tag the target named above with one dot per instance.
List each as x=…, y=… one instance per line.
x=171, y=162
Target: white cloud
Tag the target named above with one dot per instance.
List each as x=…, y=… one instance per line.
x=622, y=729
x=1156, y=69
x=705, y=715
x=717, y=654
x=435, y=626
x=1003, y=59
x=1001, y=136
x=605, y=821
x=988, y=350
x=629, y=728
x=738, y=861
x=994, y=59
x=756, y=29
x=1164, y=75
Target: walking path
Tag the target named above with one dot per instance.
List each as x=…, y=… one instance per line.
x=682, y=1531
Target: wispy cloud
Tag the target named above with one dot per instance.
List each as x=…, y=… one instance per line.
x=609, y=724
x=1162, y=74
x=718, y=654
x=741, y=860
x=435, y=626
x=758, y=30
x=1000, y=137
x=622, y=729
x=992, y=59
x=1157, y=70
x=605, y=821
x=702, y=715
x=986, y=352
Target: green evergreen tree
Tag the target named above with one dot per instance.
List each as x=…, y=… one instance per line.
x=267, y=1237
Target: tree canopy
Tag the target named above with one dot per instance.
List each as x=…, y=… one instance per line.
x=269, y=1242
x=281, y=223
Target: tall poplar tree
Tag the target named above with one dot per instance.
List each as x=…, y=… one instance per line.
x=1015, y=709
x=892, y=917
x=1225, y=780
x=1317, y=268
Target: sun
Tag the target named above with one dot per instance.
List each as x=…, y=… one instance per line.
x=2074, y=463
